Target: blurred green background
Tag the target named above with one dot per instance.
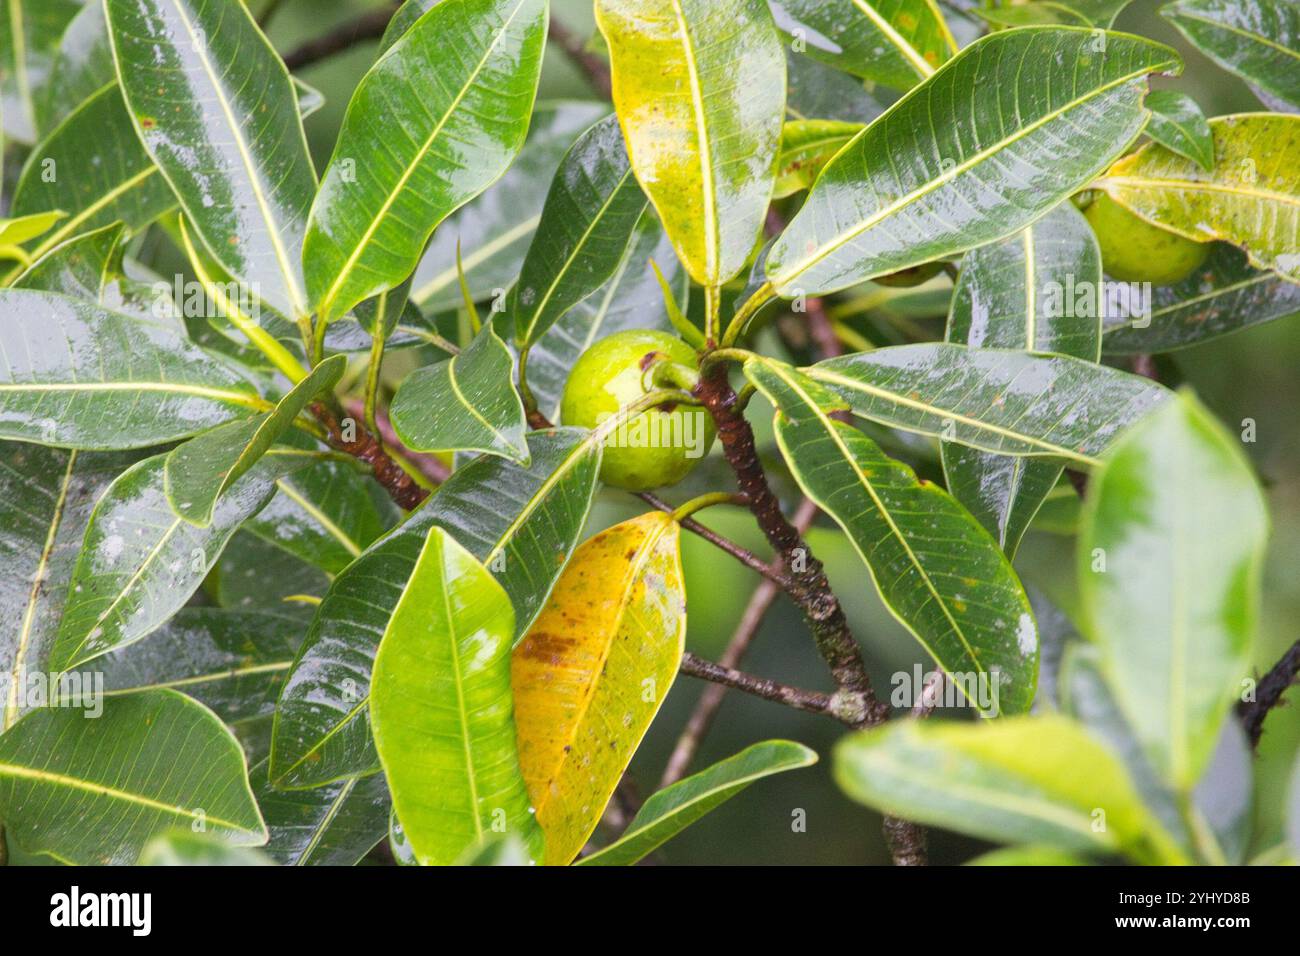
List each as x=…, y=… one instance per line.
x=1251, y=375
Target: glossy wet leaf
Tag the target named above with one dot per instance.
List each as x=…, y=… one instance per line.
x=1178, y=124
x=494, y=230
x=1223, y=296
x=465, y=403
x=200, y=471
x=673, y=809
x=1020, y=294
x=29, y=32
x=1037, y=780
x=894, y=42
x=424, y=134
x=1181, y=524
x=232, y=661
x=440, y=707
x=214, y=107
x=46, y=497
x=630, y=299
x=1000, y=135
x=592, y=671
x=102, y=173
x=140, y=562
x=591, y=210
x=183, y=847
x=79, y=375
x=1251, y=198
x=82, y=63
x=521, y=523
x=702, y=135
x=326, y=514
x=149, y=762
x=818, y=92
x=1259, y=40
x=334, y=825
x=1074, y=13
x=84, y=267
x=938, y=571
x=996, y=400
x=806, y=146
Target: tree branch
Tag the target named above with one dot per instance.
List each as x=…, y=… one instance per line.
x=401, y=487
x=812, y=701
x=1268, y=693
x=368, y=26
x=745, y=557
x=595, y=69
x=428, y=465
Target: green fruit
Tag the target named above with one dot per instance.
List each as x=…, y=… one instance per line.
x=1133, y=250
x=656, y=448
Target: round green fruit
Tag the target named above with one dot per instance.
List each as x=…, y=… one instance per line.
x=1133, y=250
x=656, y=448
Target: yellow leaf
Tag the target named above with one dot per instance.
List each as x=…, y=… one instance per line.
x=589, y=676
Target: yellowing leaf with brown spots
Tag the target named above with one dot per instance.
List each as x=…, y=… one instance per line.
x=590, y=675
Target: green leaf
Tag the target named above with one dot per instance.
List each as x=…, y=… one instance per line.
x=1293, y=812
x=1028, y=855
x=139, y=562
x=214, y=107
x=937, y=570
x=1013, y=403
x=1012, y=295
x=232, y=661
x=440, y=707
x=806, y=146
x=592, y=207
x=1040, y=102
x=149, y=762
x=1171, y=597
x=673, y=809
x=1078, y=13
x=14, y=232
x=494, y=230
x=817, y=92
x=1223, y=296
x=254, y=575
x=46, y=497
x=1259, y=40
x=1037, y=780
x=82, y=63
x=29, y=31
x=466, y=403
x=79, y=375
x=631, y=299
x=101, y=173
x=325, y=514
x=1177, y=123
x=521, y=523
x=198, y=472
x=703, y=144
x=182, y=847
x=335, y=825
x=593, y=670
x=84, y=267
x=423, y=135
x=496, y=850
x=1251, y=198
x=894, y=42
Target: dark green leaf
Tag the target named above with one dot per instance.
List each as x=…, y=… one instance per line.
x=1041, y=102
x=1259, y=40
x=522, y=524
x=894, y=42
x=591, y=210
x=938, y=571
x=79, y=375
x=1020, y=293
x=335, y=825
x=151, y=761
x=1014, y=403
x=671, y=810
x=1178, y=124
x=1170, y=556
x=806, y=146
x=425, y=133
x=214, y=107
x=466, y=403
x=29, y=32
x=82, y=64
x=1074, y=13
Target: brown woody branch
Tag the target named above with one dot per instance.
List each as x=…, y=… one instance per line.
x=812, y=701
x=401, y=487
x=368, y=26
x=1268, y=693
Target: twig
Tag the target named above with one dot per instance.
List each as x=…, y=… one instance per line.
x=706, y=708
x=822, y=331
x=812, y=701
x=430, y=466
x=592, y=66
x=368, y=26
x=1268, y=693
x=401, y=487
x=744, y=556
